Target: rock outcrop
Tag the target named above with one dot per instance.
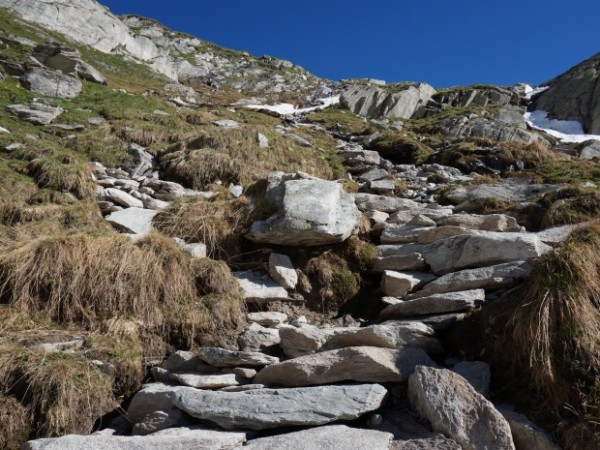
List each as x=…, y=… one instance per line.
x=574, y=95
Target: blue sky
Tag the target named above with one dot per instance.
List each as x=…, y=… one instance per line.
x=442, y=42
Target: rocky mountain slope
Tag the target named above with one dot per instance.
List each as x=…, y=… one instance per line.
x=204, y=249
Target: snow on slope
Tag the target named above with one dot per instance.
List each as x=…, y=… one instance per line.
x=565, y=130
x=288, y=108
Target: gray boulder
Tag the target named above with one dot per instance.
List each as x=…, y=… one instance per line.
x=485, y=249
x=268, y=318
x=589, y=149
x=51, y=83
x=526, y=434
x=121, y=198
x=258, y=339
x=133, y=220
x=197, y=438
x=364, y=364
x=435, y=304
x=219, y=357
x=398, y=284
x=206, y=381
x=454, y=408
x=159, y=420
x=494, y=277
x=366, y=202
x=393, y=335
x=310, y=212
x=36, y=113
x=258, y=288
x=477, y=373
x=265, y=409
x=324, y=438
x=373, y=102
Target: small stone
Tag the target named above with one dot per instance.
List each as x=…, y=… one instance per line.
x=398, y=284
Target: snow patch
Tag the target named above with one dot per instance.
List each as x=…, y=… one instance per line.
x=564, y=130
x=289, y=109
x=530, y=92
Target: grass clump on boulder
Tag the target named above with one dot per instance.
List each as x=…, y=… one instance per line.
x=401, y=149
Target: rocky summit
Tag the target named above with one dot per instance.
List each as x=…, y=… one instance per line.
x=201, y=248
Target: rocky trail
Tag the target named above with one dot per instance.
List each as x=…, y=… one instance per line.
x=361, y=382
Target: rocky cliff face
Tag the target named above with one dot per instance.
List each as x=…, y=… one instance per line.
x=575, y=95
x=177, y=56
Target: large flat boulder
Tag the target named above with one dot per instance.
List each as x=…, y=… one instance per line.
x=364, y=364
x=454, y=408
x=310, y=212
x=393, y=335
x=491, y=278
x=486, y=249
x=52, y=83
x=36, y=113
x=435, y=304
x=258, y=288
x=220, y=357
x=133, y=220
x=274, y=408
x=197, y=438
x=324, y=438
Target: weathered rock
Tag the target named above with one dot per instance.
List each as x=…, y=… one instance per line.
x=493, y=277
x=574, y=95
x=36, y=113
x=477, y=373
x=121, y=198
x=366, y=364
x=488, y=248
x=324, y=438
x=263, y=141
x=438, y=442
x=455, y=409
x=274, y=408
x=51, y=83
x=526, y=434
x=4, y=131
x=382, y=186
x=268, y=318
x=411, y=262
x=259, y=288
x=435, y=304
x=374, y=175
x=219, y=357
x=226, y=123
x=196, y=438
x=507, y=124
x=398, y=284
x=556, y=235
x=437, y=321
x=375, y=102
x=438, y=233
x=393, y=335
x=491, y=222
x=385, y=204
x=133, y=220
x=197, y=250
x=400, y=234
x=305, y=340
x=258, y=339
x=143, y=162
x=282, y=271
x=406, y=216
x=310, y=212
x=182, y=361
x=152, y=397
x=159, y=420
x=206, y=381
